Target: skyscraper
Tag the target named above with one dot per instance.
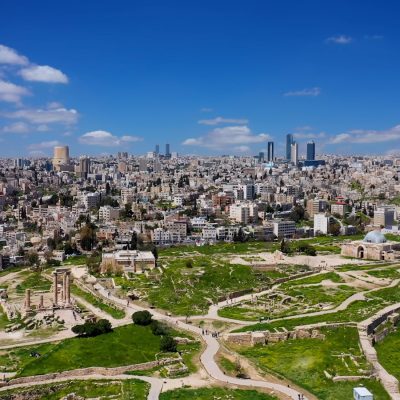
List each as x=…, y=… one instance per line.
x=294, y=153
x=311, y=150
x=289, y=142
x=167, y=151
x=84, y=166
x=270, y=152
x=157, y=149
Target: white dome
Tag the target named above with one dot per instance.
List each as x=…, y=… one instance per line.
x=375, y=237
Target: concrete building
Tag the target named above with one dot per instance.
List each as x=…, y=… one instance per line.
x=61, y=157
x=322, y=223
x=289, y=142
x=311, y=150
x=339, y=208
x=384, y=216
x=270, y=154
x=283, y=229
x=239, y=213
x=316, y=206
x=294, y=153
x=128, y=261
x=108, y=213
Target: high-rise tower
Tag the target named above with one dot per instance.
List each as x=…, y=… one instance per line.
x=270, y=155
x=289, y=142
x=311, y=150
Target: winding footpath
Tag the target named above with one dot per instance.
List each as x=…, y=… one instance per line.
x=212, y=347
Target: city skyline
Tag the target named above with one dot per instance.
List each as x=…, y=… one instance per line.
x=246, y=79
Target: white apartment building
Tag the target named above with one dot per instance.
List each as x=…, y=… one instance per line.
x=322, y=223
x=239, y=213
x=108, y=213
x=384, y=216
x=227, y=232
x=209, y=233
x=161, y=236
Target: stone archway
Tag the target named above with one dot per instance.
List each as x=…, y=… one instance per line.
x=360, y=252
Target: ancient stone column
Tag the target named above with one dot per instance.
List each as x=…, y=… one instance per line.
x=41, y=303
x=55, y=284
x=28, y=299
x=68, y=288
x=64, y=285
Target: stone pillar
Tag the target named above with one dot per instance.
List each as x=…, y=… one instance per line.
x=55, y=284
x=64, y=285
x=28, y=299
x=41, y=302
x=68, y=288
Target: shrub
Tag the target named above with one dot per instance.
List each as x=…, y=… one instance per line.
x=142, y=318
x=159, y=328
x=168, y=344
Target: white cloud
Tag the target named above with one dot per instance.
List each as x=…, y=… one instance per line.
x=44, y=145
x=10, y=56
x=309, y=135
x=128, y=138
x=367, y=136
x=242, y=149
x=221, y=138
x=12, y=93
x=221, y=120
x=37, y=153
x=42, y=128
x=104, y=138
x=340, y=39
x=45, y=116
x=17, y=127
x=313, y=92
x=43, y=73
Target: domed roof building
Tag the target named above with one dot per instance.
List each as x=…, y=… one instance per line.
x=374, y=246
x=375, y=237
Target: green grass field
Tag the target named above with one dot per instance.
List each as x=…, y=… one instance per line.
x=97, y=302
x=214, y=394
x=303, y=361
x=308, y=299
x=75, y=260
x=130, y=344
x=34, y=281
x=190, y=291
x=104, y=389
x=355, y=312
x=388, y=353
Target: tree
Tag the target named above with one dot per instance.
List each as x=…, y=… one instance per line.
x=285, y=247
x=334, y=229
x=142, y=318
x=168, y=344
x=90, y=329
x=88, y=236
x=155, y=252
x=33, y=258
x=133, y=245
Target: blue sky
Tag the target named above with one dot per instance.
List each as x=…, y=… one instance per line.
x=209, y=77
